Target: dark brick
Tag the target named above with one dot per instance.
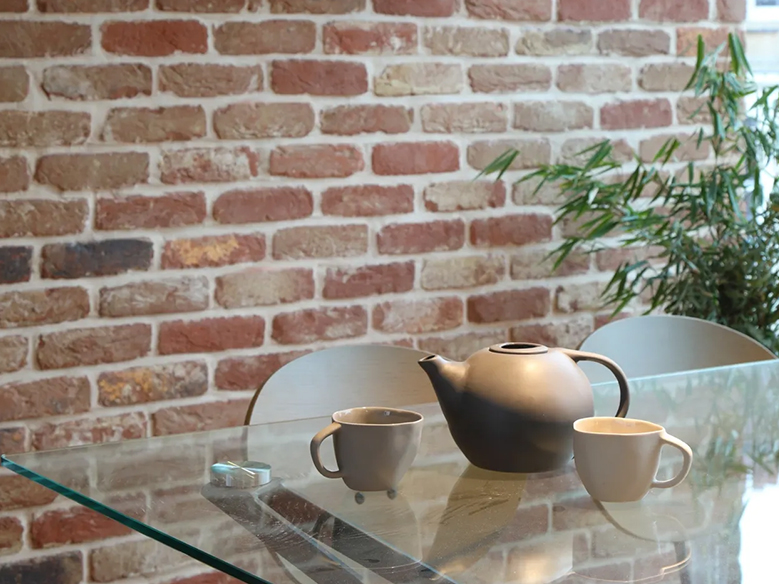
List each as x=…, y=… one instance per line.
x=59, y=569
x=15, y=264
x=97, y=258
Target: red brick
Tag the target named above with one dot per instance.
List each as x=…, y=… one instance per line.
x=264, y=287
x=462, y=346
x=95, y=258
x=213, y=250
x=250, y=373
x=18, y=492
x=297, y=77
x=687, y=39
x=510, y=78
x=664, y=10
x=532, y=153
x=13, y=355
x=62, y=568
x=92, y=5
x=20, y=129
x=316, y=6
x=162, y=124
x=209, y=80
x=42, y=217
x=568, y=333
x=92, y=346
x=403, y=238
x=320, y=241
x=96, y=82
x=11, y=532
x=415, y=158
x=731, y=10
x=14, y=174
x=687, y=150
x=14, y=84
x=206, y=578
x=21, y=39
x=637, y=113
x=368, y=280
x=133, y=558
x=419, y=79
x=367, y=200
x=509, y=305
x=262, y=38
x=418, y=316
x=210, y=335
x=665, y=76
x=88, y=431
x=464, y=118
x=511, y=230
x=154, y=38
x=593, y=78
x=160, y=296
x=209, y=165
x=15, y=264
x=469, y=41
x=316, y=161
x=37, y=307
x=13, y=440
x=634, y=43
x=348, y=120
x=370, y=38
x=319, y=324
x=55, y=396
x=461, y=272
x=13, y=6
x=593, y=10
x=158, y=382
x=75, y=525
x=200, y=417
x=263, y=204
x=205, y=6
x=248, y=121
x=522, y=10
x=464, y=195
x=108, y=171
x=416, y=8
x=139, y=212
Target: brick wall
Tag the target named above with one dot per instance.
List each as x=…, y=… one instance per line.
x=192, y=192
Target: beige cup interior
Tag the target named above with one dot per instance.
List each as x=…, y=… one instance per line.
x=376, y=416
x=616, y=426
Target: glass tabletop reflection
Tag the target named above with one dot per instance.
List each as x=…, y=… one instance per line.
x=449, y=521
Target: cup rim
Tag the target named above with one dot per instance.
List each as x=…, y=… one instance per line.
x=655, y=428
x=339, y=413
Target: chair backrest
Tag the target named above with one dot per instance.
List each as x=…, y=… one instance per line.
x=657, y=344
x=320, y=383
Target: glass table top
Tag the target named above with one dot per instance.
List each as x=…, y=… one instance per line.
x=449, y=521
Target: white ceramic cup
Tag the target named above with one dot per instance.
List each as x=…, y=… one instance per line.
x=617, y=458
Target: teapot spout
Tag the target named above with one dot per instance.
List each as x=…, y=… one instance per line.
x=447, y=378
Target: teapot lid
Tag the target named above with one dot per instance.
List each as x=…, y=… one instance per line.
x=519, y=348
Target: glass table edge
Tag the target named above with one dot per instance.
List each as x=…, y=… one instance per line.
x=137, y=526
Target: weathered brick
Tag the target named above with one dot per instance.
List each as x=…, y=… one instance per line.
x=568, y=333
x=161, y=296
x=14, y=84
x=55, y=396
x=593, y=10
x=250, y=373
x=109, y=171
x=74, y=525
x=248, y=121
x=532, y=153
x=367, y=200
x=14, y=174
x=532, y=192
x=462, y=272
x=139, y=212
x=210, y=335
x=416, y=8
x=199, y=417
x=213, y=250
x=557, y=41
x=92, y=5
x=522, y=10
x=462, y=346
x=688, y=149
x=319, y=324
x=12, y=440
x=42, y=217
x=355, y=282
x=205, y=6
x=87, y=83
x=637, y=113
x=18, y=492
x=132, y=558
x=579, y=296
x=209, y=165
x=534, y=264
x=14, y=6
x=418, y=316
x=369, y=38
x=731, y=10
x=687, y=39
x=576, y=151
x=20, y=129
x=552, y=116
x=36, y=307
x=404, y=238
x=664, y=10
x=162, y=124
x=92, y=346
x=263, y=204
x=21, y=39
x=95, y=258
x=511, y=230
x=591, y=78
x=15, y=263
x=13, y=356
x=665, y=76
x=510, y=78
x=464, y=195
x=154, y=383
x=692, y=110
x=296, y=77
x=419, y=79
x=11, y=532
x=261, y=38
x=320, y=241
x=467, y=118
x=634, y=43
x=316, y=161
x=64, y=568
x=509, y=305
x=348, y=120
x=415, y=158
x=466, y=41
x=154, y=38
x=263, y=287
x=209, y=80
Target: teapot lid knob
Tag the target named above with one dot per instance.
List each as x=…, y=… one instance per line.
x=519, y=348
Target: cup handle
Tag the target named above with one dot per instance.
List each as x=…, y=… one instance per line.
x=316, y=442
x=686, y=464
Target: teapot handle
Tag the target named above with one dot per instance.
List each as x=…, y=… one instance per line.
x=624, y=393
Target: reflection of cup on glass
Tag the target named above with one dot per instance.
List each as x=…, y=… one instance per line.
x=374, y=446
x=617, y=458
